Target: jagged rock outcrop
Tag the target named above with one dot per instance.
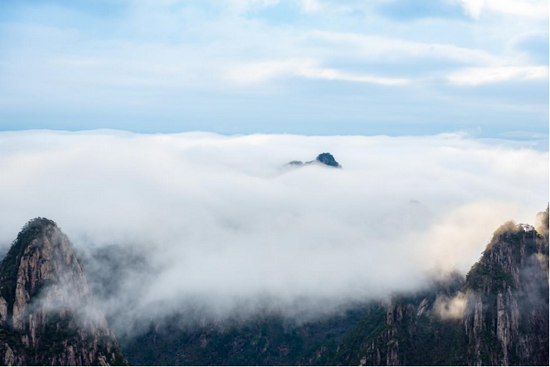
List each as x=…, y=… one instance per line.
x=47, y=312
x=328, y=159
x=499, y=316
x=506, y=318
x=407, y=331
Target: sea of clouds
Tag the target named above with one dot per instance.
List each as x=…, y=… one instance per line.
x=222, y=223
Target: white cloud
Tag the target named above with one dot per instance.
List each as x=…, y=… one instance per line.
x=221, y=221
x=451, y=308
x=472, y=7
x=526, y=8
x=332, y=74
x=391, y=48
x=310, y=6
x=479, y=76
x=240, y=6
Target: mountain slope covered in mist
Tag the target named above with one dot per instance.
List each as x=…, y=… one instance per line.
x=47, y=312
x=258, y=340
x=498, y=315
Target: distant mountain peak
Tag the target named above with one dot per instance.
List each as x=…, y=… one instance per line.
x=323, y=158
x=328, y=159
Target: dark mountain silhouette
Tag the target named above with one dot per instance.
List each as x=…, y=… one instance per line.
x=323, y=158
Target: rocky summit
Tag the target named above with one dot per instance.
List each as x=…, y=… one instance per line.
x=328, y=159
x=323, y=158
x=497, y=316
x=48, y=315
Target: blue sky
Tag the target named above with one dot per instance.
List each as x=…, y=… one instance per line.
x=314, y=67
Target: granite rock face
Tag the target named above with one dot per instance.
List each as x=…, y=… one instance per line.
x=498, y=316
x=506, y=318
x=47, y=311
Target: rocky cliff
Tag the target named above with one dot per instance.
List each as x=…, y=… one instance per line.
x=499, y=316
x=409, y=330
x=47, y=312
x=506, y=318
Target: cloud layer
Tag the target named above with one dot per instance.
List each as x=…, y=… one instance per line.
x=221, y=222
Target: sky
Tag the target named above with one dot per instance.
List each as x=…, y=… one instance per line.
x=310, y=67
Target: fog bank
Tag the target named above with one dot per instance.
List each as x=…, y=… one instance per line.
x=221, y=222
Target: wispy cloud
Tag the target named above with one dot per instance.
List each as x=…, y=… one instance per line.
x=393, y=48
x=523, y=8
x=472, y=7
x=479, y=76
x=240, y=6
x=526, y=8
x=311, y=5
x=441, y=8
x=264, y=71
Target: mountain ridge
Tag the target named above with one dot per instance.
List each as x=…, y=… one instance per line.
x=497, y=314
x=479, y=323
x=47, y=312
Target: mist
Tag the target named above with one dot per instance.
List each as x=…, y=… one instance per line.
x=221, y=226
